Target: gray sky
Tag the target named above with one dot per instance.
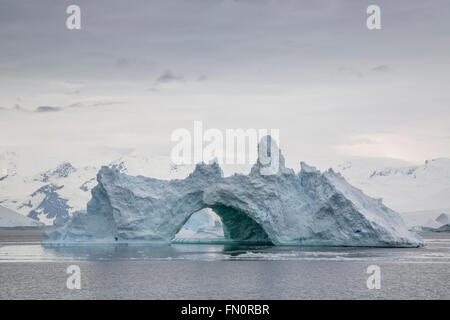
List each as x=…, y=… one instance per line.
x=137, y=70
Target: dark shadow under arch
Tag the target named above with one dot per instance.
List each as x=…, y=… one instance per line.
x=238, y=226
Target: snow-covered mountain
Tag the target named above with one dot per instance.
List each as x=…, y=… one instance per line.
x=11, y=219
x=49, y=196
x=402, y=186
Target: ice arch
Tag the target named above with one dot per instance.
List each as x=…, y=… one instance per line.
x=305, y=208
x=155, y=210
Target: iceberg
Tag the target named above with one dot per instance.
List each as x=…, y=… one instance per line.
x=440, y=224
x=308, y=208
x=443, y=219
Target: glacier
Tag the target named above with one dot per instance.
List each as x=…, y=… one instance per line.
x=308, y=208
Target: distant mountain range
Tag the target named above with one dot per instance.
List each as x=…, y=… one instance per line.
x=52, y=195
x=403, y=188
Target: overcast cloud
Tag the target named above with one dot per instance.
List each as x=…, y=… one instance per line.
x=310, y=68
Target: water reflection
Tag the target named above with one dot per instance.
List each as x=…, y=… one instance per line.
x=437, y=250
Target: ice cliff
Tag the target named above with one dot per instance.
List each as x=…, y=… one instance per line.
x=283, y=208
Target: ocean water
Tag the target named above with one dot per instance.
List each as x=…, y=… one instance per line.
x=187, y=271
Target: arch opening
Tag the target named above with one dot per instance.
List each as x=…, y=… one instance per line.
x=220, y=223
x=202, y=225
x=238, y=226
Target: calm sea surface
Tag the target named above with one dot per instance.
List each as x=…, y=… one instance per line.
x=31, y=271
